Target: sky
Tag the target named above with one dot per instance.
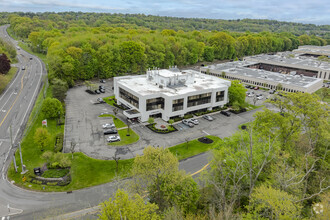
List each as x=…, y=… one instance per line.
x=303, y=11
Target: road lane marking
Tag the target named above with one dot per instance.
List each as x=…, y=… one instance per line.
x=20, y=91
x=198, y=171
x=6, y=102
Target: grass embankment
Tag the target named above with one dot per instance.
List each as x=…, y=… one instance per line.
x=6, y=78
x=25, y=47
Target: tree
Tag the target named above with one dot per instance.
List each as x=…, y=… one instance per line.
x=59, y=89
x=157, y=172
x=236, y=92
x=279, y=86
x=151, y=120
x=128, y=207
x=324, y=93
x=270, y=203
x=72, y=147
x=42, y=138
x=51, y=108
x=4, y=64
x=171, y=121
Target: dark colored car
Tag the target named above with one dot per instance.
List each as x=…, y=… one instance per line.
x=110, y=131
x=101, y=87
x=226, y=113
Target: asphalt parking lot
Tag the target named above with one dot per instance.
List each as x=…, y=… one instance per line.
x=84, y=127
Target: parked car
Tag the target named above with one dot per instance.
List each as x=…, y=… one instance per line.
x=101, y=87
x=194, y=121
x=110, y=131
x=247, y=86
x=188, y=123
x=102, y=81
x=107, y=125
x=100, y=100
x=207, y=117
x=23, y=67
x=113, y=138
x=97, y=91
x=272, y=91
x=251, y=94
x=259, y=97
x=226, y=113
x=31, y=58
x=102, y=90
x=256, y=88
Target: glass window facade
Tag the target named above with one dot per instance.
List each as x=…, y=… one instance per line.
x=220, y=96
x=199, y=99
x=177, y=105
x=155, y=103
x=129, y=97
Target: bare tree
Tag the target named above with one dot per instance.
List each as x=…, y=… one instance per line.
x=72, y=147
x=116, y=159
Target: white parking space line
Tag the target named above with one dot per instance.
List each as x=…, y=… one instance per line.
x=205, y=132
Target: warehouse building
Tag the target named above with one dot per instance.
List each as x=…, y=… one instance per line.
x=284, y=63
x=248, y=72
x=313, y=51
x=169, y=93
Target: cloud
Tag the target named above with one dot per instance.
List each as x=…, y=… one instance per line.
x=306, y=11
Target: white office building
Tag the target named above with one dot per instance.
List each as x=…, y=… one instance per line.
x=169, y=93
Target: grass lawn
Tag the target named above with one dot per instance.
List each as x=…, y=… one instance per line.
x=119, y=123
x=5, y=79
x=106, y=99
x=125, y=139
x=182, y=151
x=326, y=97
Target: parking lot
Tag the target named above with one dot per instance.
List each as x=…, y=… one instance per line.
x=84, y=127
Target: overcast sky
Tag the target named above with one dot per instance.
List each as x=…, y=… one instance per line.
x=304, y=11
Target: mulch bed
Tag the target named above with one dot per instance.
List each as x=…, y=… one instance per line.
x=205, y=140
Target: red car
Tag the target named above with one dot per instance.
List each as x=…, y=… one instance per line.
x=256, y=88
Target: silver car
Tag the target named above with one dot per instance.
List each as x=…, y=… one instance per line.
x=113, y=138
x=194, y=121
x=207, y=117
x=106, y=126
x=188, y=123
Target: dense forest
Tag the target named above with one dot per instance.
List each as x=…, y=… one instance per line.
x=81, y=46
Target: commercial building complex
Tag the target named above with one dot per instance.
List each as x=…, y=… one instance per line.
x=287, y=63
x=169, y=93
x=250, y=72
x=313, y=51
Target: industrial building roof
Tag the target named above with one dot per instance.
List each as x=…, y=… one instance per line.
x=240, y=68
x=284, y=59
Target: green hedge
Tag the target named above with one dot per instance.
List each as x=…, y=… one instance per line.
x=58, y=142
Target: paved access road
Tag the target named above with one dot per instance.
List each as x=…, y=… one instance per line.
x=16, y=102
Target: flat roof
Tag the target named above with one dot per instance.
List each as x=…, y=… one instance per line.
x=319, y=50
x=283, y=59
x=240, y=68
x=141, y=85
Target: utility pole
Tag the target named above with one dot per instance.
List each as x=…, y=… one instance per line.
x=11, y=142
x=23, y=166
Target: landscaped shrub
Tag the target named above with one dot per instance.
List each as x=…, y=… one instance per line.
x=188, y=116
x=58, y=142
x=170, y=128
x=55, y=173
